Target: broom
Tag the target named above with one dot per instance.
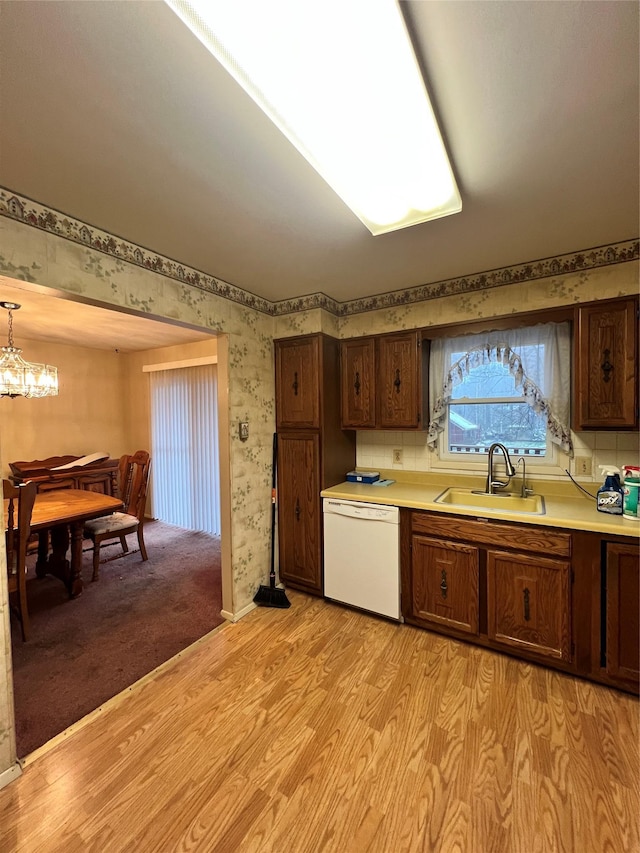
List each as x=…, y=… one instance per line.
x=271, y=596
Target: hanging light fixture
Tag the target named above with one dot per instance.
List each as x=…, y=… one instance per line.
x=20, y=378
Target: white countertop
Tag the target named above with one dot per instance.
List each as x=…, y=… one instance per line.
x=565, y=506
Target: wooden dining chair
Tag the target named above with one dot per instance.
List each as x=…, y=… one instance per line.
x=133, y=477
x=20, y=500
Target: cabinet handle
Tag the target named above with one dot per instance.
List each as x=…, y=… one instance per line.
x=356, y=384
x=297, y=510
x=443, y=583
x=295, y=383
x=525, y=595
x=606, y=366
x=397, y=382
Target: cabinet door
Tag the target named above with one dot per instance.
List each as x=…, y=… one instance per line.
x=622, y=613
x=445, y=583
x=357, y=383
x=104, y=484
x=528, y=604
x=297, y=383
x=606, y=374
x=399, y=380
x=299, y=514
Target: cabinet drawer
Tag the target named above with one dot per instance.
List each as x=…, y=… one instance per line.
x=52, y=485
x=528, y=604
x=523, y=537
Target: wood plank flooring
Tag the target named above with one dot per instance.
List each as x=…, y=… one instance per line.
x=321, y=729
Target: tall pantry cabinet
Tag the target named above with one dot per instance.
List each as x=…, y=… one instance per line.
x=313, y=451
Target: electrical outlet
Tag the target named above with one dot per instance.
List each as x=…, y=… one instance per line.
x=584, y=466
x=243, y=430
x=397, y=457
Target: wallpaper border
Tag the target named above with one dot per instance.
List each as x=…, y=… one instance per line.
x=36, y=215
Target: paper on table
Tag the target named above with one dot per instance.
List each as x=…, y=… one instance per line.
x=83, y=460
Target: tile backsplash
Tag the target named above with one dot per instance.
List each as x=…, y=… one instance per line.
x=375, y=450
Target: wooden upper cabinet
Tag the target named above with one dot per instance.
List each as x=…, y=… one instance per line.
x=606, y=365
x=383, y=382
x=399, y=378
x=297, y=383
x=357, y=383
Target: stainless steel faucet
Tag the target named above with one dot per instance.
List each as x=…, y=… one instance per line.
x=524, y=491
x=492, y=484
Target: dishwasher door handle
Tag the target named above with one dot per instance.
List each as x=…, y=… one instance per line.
x=362, y=511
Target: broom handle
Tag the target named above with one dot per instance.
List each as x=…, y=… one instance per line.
x=274, y=462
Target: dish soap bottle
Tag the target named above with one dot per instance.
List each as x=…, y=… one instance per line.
x=610, y=494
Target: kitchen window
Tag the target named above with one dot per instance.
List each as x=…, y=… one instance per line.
x=508, y=386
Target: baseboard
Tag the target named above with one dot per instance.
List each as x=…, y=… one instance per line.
x=11, y=774
x=235, y=617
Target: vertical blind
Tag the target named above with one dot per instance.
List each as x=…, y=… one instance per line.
x=184, y=441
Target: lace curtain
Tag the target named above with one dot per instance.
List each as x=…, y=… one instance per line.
x=543, y=375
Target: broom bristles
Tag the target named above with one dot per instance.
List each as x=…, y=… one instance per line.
x=270, y=596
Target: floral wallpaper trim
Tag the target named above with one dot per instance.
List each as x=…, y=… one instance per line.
x=33, y=213
x=37, y=215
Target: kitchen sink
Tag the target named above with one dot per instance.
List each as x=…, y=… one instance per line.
x=502, y=501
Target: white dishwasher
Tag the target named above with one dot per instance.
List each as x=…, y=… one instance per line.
x=362, y=555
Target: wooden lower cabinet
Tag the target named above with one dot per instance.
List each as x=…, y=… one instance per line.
x=299, y=510
x=621, y=643
x=529, y=604
x=569, y=599
x=445, y=583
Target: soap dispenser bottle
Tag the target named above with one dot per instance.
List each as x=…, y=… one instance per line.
x=610, y=494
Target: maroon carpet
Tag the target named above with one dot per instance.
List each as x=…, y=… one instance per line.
x=82, y=652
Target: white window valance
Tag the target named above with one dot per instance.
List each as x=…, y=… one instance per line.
x=543, y=373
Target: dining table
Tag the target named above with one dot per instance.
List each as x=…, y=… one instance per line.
x=58, y=518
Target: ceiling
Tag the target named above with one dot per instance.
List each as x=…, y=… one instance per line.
x=113, y=113
x=42, y=317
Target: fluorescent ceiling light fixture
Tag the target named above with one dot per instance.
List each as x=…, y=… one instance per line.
x=340, y=79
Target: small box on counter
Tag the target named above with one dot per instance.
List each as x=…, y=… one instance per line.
x=363, y=476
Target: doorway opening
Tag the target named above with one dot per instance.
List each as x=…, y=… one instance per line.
x=160, y=537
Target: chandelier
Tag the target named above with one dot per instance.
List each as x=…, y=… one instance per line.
x=20, y=378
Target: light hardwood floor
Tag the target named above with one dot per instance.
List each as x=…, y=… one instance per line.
x=321, y=729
